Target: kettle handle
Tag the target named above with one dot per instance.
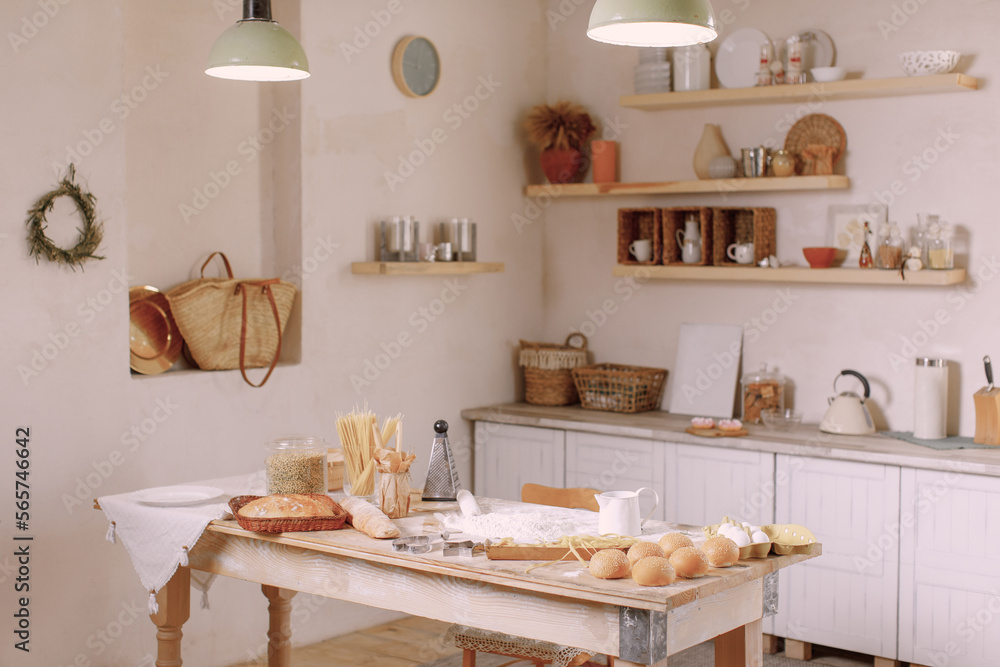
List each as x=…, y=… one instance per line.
x=856, y=374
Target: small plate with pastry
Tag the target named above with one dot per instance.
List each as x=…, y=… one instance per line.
x=288, y=513
x=707, y=427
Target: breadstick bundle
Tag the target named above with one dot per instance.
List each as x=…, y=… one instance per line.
x=360, y=437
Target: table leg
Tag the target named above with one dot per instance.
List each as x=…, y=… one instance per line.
x=279, y=632
x=174, y=601
x=742, y=647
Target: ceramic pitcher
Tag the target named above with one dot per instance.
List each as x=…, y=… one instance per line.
x=619, y=513
x=690, y=242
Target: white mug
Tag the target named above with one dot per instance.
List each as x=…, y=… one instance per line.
x=444, y=252
x=642, y=250
x=741, y=253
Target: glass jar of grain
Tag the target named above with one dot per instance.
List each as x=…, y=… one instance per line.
x=296, y=464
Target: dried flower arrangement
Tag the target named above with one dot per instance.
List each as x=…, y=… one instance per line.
x=562, y=126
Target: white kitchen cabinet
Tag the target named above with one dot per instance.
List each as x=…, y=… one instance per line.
x=708, y=483
x=847, y=598
x=507, y=457
x=612, y=463
x=949, y=594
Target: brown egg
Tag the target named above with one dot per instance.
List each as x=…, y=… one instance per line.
x=721, y=551
x=609, y=564
x=643, y=550
x=653, y=571
x=689, y=563
x=671, y=542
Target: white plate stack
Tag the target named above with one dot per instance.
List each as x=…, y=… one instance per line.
x=652, y=74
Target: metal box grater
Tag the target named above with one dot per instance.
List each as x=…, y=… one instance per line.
x=442, y=478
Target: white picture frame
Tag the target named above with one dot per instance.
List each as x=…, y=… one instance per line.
x=845, y=230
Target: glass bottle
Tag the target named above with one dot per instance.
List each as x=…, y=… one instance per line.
x=865, y=260
x=761, y=390
x=890, y=248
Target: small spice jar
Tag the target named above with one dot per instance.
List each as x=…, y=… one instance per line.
x=782, y=163
x=890, y=248
x=296, y=464
x=762, y=390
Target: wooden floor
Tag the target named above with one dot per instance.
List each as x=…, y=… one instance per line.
x=406, y=643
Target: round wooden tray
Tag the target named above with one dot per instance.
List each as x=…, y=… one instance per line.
x=716, y=432
x=815, y=130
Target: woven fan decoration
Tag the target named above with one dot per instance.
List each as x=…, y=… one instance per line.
x=818, y=142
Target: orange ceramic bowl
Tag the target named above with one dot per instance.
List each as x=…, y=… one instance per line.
x=819, y=258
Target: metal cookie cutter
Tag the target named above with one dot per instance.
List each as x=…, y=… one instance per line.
x=416, y=544
x=465, y=548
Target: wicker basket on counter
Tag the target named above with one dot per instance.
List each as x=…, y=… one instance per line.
x=619, y=388
x=547, y=370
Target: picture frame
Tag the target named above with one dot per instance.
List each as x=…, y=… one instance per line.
x=845, y=230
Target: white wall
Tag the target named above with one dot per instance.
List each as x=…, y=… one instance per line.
x=319, y=184
x=828, y=328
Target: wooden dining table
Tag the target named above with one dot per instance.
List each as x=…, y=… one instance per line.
x=560, y=603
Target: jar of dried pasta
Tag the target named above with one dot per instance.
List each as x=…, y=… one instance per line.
x=762, y=390
x=296, y=464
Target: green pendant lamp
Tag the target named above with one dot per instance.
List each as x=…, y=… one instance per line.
x=257, y=49
x=652, y=22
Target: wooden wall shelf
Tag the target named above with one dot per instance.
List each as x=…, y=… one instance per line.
x=792, y=274
x=836, y=90
x=425, y=268
x=721, y=186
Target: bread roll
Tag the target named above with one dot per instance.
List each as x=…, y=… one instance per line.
x=720, y=551
x=369, y=519
x=609, y=564
x=689, y=563
x=280, y=506
x=671, y=542
x=641, y=550
x=653, y=571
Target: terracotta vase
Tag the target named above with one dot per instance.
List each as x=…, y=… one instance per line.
x=711, y=145
x=562, y=165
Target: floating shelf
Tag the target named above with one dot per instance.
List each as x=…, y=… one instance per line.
x=792, y=274
x=721, y=186
x=425, y=268
x=836, y=90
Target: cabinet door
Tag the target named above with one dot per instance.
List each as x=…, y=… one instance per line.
x=507, y=457
x=612, y=463
x=949, y=591
x=708, y=483
x=847, y=597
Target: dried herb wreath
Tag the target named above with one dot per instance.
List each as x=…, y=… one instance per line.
x=91, y=233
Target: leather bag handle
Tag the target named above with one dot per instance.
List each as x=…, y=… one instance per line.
x=225, y=260
x=265, y=286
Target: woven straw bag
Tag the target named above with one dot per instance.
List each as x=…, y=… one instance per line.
x=229, y=323
x=547, y=378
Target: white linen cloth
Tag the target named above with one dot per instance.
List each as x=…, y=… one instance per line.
x=157, y=539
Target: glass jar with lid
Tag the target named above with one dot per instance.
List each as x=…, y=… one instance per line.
x=890, y=248
x=296, y=464
x=761, y=390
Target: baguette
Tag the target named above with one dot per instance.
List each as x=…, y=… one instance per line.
x=369, y=519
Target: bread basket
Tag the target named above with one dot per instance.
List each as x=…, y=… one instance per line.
x=289, y=524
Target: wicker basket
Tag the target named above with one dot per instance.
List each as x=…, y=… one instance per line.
x=289, y=524
x=619, y=388
x=743, y=225
x=547, y=366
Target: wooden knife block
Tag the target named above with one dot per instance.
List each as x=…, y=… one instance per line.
x=987, y=416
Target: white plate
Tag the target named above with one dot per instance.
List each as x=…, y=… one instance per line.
x=738, y=59
x=178, y=496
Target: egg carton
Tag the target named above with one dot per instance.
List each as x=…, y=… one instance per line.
x=785, y=539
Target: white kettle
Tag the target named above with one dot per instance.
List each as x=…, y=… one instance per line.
x=848, y=414
x=620, y=512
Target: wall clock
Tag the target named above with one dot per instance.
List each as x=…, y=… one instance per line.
x=416, y=67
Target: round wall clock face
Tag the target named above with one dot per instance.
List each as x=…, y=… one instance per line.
x=416, y=67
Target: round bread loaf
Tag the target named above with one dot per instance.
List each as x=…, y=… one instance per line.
x=641, y=550
x=689, y=563
x=671, y=542
x=653, y=571
x=720, y=551
x=609, y=564
x=290, y=505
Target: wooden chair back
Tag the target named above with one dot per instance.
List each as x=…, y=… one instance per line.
x=576, y=498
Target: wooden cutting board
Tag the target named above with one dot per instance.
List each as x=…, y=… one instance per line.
x=716, y=432
x=539, y=553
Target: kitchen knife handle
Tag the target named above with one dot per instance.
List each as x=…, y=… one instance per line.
x=989, y=370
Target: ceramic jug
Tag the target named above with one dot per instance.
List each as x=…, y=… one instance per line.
x=619, y=513
x=690, y=242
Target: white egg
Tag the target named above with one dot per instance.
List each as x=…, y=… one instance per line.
x=741, y=539
x=754, y=529
x=746, y=524
x=759, y=537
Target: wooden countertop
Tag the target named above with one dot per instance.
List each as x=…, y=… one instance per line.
x=804, y=440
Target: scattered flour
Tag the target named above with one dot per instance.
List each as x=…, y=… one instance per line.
x=522, y=527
